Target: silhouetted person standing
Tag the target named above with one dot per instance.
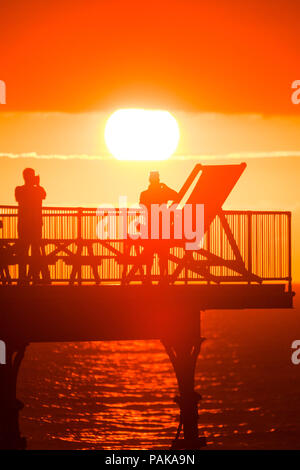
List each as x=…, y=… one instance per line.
x=157, y=193
x=30, y=197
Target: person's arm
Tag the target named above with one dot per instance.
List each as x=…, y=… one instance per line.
x=17, y=194
x=171, y=194
x=142, y=198
x=42, y=192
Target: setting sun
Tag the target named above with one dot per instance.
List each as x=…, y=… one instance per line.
x=141, y=134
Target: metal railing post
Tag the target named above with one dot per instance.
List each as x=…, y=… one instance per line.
x=290, y=251
x=249, y=217
x=208, y=249
x=79, y=243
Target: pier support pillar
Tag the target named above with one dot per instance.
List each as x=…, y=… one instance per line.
x=183, y=355
x=10, y=406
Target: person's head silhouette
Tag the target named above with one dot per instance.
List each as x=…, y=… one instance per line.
x=29, y=176
x=154, y=177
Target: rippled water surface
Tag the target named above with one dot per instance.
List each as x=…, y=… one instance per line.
x=119, y=395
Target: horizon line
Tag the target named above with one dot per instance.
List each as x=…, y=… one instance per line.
x=208, y=157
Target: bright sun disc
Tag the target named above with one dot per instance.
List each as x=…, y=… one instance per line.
x=141, y=134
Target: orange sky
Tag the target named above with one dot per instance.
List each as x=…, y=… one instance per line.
x=228, y=56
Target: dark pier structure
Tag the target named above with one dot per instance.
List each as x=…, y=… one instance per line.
x=93, y=286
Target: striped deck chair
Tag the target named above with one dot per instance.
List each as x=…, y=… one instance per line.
x=211, y=185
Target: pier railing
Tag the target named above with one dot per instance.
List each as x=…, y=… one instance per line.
x=239, y=246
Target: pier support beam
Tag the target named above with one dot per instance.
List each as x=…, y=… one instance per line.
x=183, y=355
x=10, y=406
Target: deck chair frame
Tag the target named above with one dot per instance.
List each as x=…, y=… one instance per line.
x=209, y=260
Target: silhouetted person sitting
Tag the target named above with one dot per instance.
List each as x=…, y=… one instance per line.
x=30, y=197
x=157, y=193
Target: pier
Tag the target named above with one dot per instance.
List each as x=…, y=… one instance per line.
x=94, y=288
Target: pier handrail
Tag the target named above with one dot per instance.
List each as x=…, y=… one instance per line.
x=263, y=239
